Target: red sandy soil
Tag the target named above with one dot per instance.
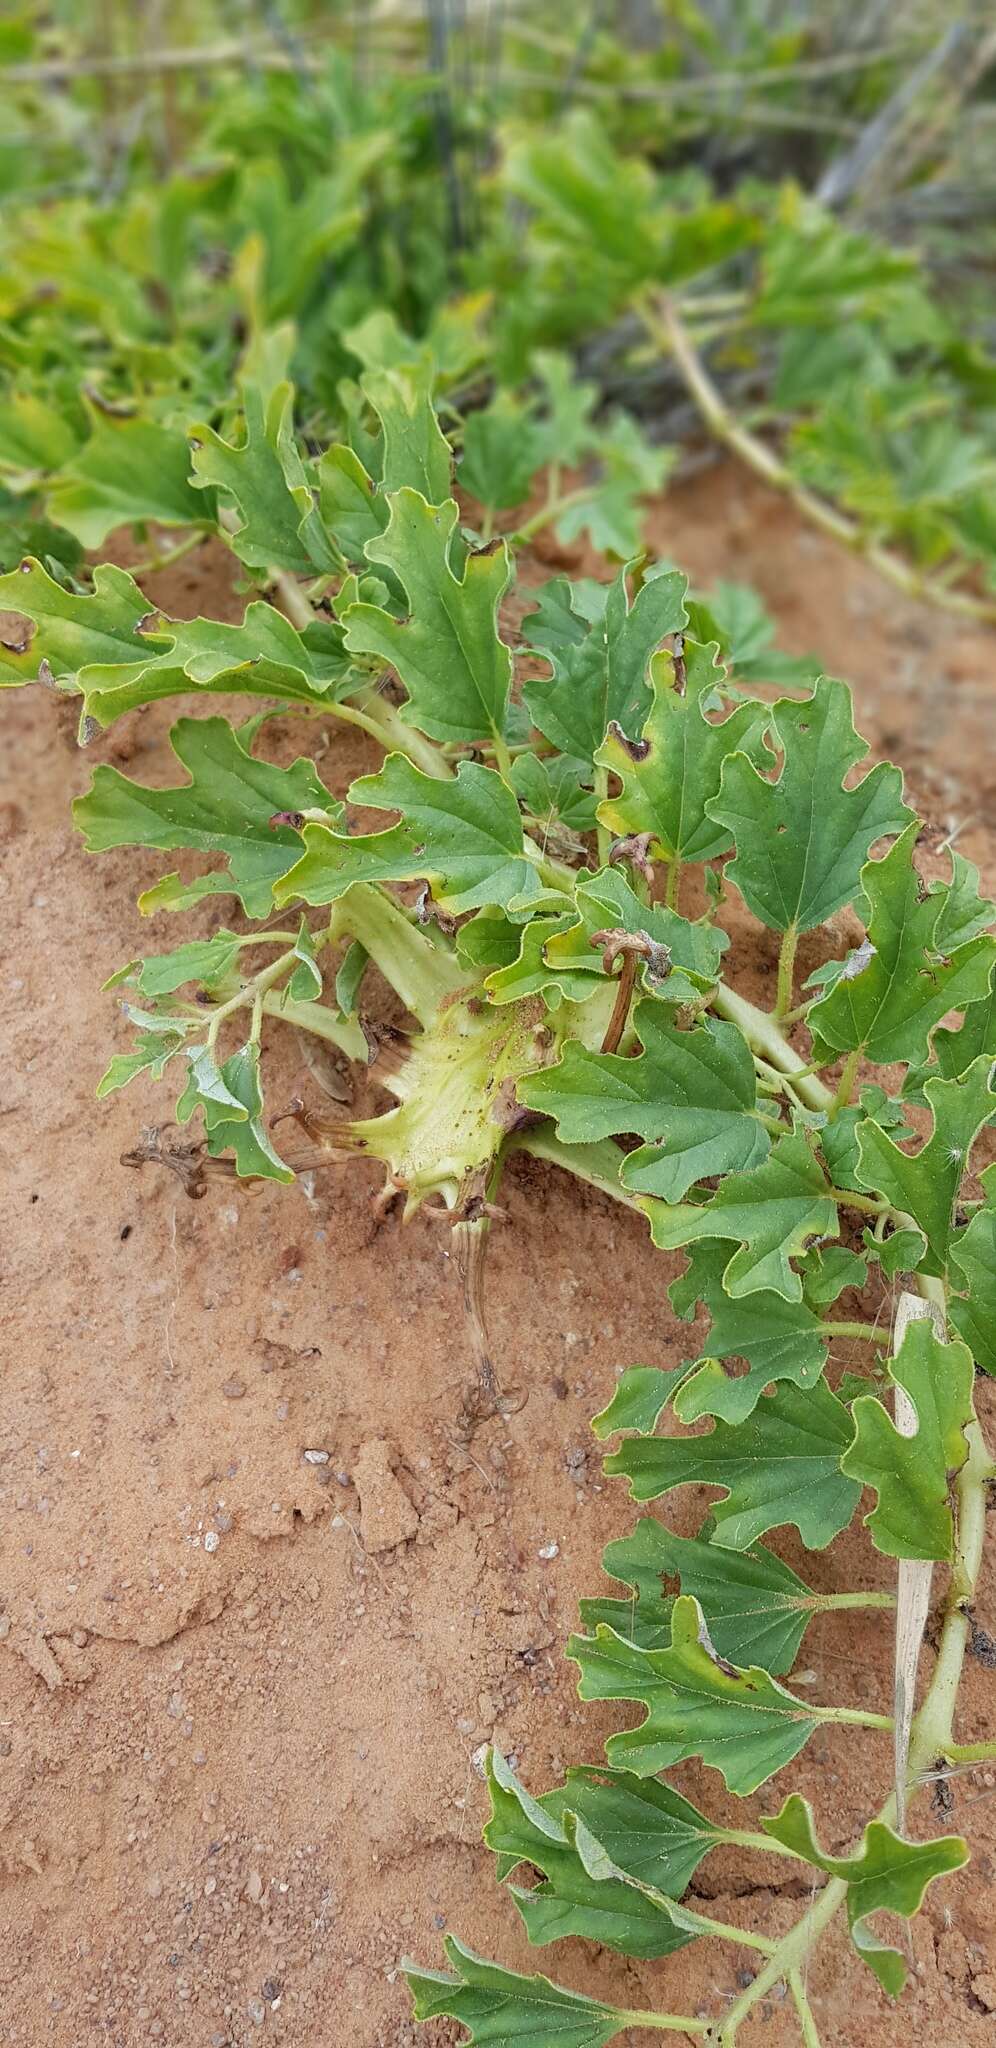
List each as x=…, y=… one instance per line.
x=237, y=1779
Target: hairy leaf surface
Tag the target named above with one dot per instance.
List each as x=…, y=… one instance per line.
x=226, y=807
x=692, y=1092
x=890, y=1006
x=742, y=1722
x=911, y=1474
x=802, y=838
x=781, y=1465
x=448, y=653
x=464, y=835
x=770, y=1212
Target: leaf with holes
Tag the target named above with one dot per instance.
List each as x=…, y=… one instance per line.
x=603, y=679
x=464, y=835
x=777, y=1339
x=671, y=770
x=75, y=631
x=756, y=1608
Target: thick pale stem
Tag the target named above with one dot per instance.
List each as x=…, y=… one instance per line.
x=823, y=1602
x=804, y=2009
x=932, y=1730
x=661, y=2022
x=851, y=1717
x=503, y=759
x=421, y=973
x=788, y=1956
x=762, y=1033
x=374, y=714
x=786, y=970
x=253, y=993
x=550, y=510
x=722, y=1930
x=322, y=1022
x=153, y=563
x=845, y=1086
x=863, y=1332
x=598, y=1163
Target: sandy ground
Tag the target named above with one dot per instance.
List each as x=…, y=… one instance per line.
x=236, y=1778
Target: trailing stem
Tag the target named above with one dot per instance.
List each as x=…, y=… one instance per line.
x=664, y=323
x=932, y=1736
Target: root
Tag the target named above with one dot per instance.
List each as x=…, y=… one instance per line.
x=190, y=1162
x=485, y=1396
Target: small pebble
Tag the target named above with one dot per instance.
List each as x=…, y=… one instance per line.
x=233, y=1389
x=317, y=1457
x=548, y=1551
x=211, y=1540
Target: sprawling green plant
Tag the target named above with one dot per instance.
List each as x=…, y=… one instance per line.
x=565, y=825
x=821, y=354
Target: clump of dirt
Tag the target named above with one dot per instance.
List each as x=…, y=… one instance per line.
x=260, y=1606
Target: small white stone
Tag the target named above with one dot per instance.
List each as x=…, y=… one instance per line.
x=548, y=1551
x=317, y=1457
x=212, y=1540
